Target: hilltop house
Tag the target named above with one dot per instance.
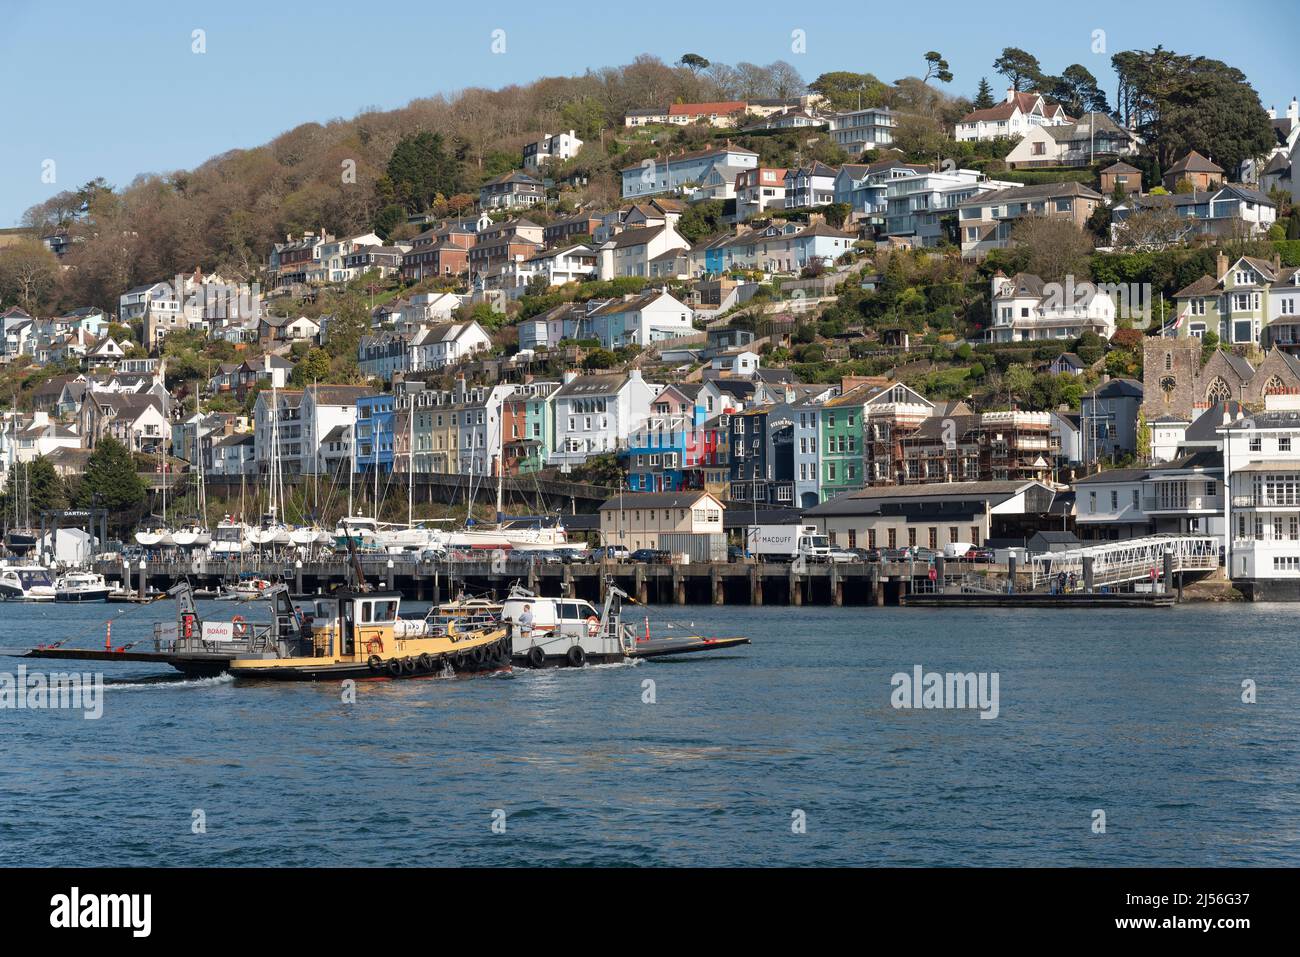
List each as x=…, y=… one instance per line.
x=639, y=320
x=511, y=190
x=1204, y=174
x=1252, y=301
x=1072, y=144
x=986, y=220
x=1016, y=115
x=857, y=131
x=1025, y=308
x=629, y=253
x=675, y=172
x=552, y=146
x=1232, y=212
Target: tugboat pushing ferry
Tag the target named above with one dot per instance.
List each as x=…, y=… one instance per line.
x=360, y=635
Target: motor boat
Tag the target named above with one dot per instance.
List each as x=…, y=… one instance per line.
x=26, y=583
x=228, y=538
x=81, y=586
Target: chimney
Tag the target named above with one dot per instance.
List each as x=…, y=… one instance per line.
x=1277, y=262
x=1293, y=110
x=1220, y=265
x=1011, y=94
x=1272, y=112
x=569, y=375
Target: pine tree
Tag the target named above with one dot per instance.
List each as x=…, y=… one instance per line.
x=111, y=482
x=984, y=95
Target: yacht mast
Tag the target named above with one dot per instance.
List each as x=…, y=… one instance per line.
x=410, y=460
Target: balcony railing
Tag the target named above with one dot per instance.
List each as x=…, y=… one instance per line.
x=1265, y=501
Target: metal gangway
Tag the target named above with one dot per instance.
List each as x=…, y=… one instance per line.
x=1116, y=563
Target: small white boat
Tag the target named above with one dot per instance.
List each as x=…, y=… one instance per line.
x=26, y=583
x=303, y=536
x=81, y=586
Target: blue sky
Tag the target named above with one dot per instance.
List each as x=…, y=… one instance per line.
x=114, y=89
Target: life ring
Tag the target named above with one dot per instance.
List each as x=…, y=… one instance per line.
x=536, y=657
x=374, y=644
x=425, y=661
x=240, y=626
x=593, y=626
x=376, y=663
x=577, y=656
x=394, y=667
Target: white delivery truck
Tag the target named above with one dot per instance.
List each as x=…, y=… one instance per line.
x=785, y=543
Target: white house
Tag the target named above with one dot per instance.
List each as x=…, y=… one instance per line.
x=1072, y=144
x=629, y=253
x=557, y=266
x=552, y=146
x=1016, y=115
x=231, y=455
x=860, y=130
x=739, y=362
x=810, y=186
x=1262, y=504
x=444, y=344
x=674, y=172
x=1024, y=308
x=595, y=413
x=917, y=204
x=640, y=320
x=757, y=189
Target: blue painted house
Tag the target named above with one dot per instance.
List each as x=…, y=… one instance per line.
x=375, y=424
x=664, y=453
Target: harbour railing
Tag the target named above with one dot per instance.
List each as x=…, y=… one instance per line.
x=1117, y=563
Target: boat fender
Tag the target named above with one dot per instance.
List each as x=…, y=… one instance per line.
x=536, y=657
x=408, y=665
x=479, y=655
x=577, y=656
x=376, y=663
x=425, y=662
x=593, y=626
x=394, y=667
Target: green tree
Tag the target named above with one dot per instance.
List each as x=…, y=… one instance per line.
x=936, y=66
x=34, y=485
x=420, y=169
x=111, y=482
x=1021, y=68
x=694, y=62
x=1076, y=89
x=849, y=91
x=1019, y=379
x=984, y=96
x=1178, y=103
x=313, y=367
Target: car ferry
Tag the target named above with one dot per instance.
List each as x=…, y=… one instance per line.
x=571, y=632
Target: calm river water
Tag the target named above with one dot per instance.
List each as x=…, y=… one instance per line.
x=785, y=752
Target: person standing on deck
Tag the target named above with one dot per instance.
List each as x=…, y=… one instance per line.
x=526, y=624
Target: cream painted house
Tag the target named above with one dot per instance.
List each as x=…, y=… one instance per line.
x=637, y=519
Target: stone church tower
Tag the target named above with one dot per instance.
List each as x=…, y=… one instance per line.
x=1171, y=369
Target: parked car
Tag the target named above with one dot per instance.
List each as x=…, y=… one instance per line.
x=866, y=554
x=544, y=556
x=984, y=555
x=651, y=556
x=842, y=556
x=610, y=553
